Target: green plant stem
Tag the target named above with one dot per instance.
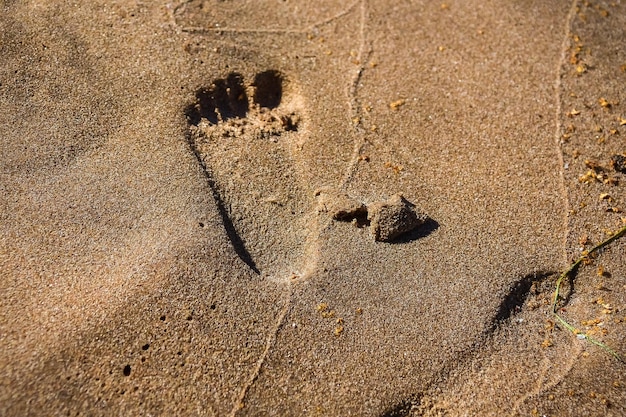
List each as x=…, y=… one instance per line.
x=569, y=273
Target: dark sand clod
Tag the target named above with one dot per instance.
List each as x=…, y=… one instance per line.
x=393, y=218
x=163, y=250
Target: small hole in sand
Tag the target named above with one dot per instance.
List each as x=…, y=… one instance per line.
x=162, y=318
x=127, y=370
x=201, y=224
x=213, y=306
x=146, y=346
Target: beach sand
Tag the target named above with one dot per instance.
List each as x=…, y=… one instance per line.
x=193, y=193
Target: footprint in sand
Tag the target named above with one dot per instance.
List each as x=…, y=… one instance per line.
x=245, y=132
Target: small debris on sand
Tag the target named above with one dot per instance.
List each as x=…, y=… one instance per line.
x=618, y=162
x=392, y=218
x=394, y=105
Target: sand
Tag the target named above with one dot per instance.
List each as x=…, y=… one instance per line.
x=171, y=176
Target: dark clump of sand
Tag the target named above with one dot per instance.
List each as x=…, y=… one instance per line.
x=189, y=192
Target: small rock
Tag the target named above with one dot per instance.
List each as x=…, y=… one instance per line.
x=392, y=218
x=618, y=162
x=340, y=206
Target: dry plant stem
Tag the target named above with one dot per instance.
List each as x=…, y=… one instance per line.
x=570, y=272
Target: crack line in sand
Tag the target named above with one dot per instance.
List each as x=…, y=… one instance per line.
x=337, y=16
x=557, y=134
x=542, y=382
x=196, y=29
x=353, y=100
x=271, y=339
